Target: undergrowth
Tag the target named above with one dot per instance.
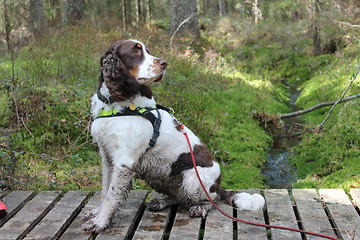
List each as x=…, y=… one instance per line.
x=214, y=85
x=46, y=141
x=281, y=51
x=330, y=158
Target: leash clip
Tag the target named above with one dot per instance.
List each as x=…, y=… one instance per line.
x=172, y=111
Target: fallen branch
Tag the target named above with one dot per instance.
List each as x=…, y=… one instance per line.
x=346, y=24
x=320, y=105
x=340, y=99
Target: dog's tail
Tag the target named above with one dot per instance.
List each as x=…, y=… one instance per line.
x=242, y=201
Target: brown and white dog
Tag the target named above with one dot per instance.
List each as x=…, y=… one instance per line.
x=127, y=70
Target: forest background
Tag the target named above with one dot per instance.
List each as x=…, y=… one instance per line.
x=231, y=64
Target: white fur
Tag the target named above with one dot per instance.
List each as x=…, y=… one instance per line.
x=208, y=176
x=246, y=201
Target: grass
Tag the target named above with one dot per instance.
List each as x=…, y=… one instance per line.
x=47, y=130
x=326, y=159
x=214, y=84
x=330, y=158
x=217, y=102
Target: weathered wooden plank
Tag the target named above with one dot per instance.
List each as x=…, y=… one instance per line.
x=355, y=193
x=185, y=227
x=18, y=226
x=342, y=212
x=2, y=194
x=54, y=223
x=152, y=224
x=246, y=231
x=217, y=225
x=14, y=202
x=312, y=214
x=75, y=230
x=280, y=212
x=122, y=225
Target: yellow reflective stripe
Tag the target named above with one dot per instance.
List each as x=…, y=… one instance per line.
x=142, y=110
x=104, y=113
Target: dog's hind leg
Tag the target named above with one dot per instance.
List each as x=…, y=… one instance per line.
x=160, y=204
x=115, y=198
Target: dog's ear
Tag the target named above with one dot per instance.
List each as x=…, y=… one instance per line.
x=121, y=84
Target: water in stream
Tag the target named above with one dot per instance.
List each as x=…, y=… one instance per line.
x=279, y=173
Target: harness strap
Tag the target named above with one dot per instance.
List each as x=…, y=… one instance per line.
x=156, y=126
x=143, y=112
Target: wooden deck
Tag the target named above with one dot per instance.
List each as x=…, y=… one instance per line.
x=57, y=215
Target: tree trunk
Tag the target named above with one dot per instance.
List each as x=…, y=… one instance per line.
x=222, y=8
x=123, y=14
x=256, y=11
x=203, y=7
x=316, y=30
x=140, y=11
x=149, y=10
x=314, y=12
x=55, y=19
x=74, y=11
x=37, y=21
x=184, y=17
x=146, y=10
x=7, y=38
x=128, y=10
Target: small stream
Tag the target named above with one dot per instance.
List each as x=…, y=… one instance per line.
x=279, y=173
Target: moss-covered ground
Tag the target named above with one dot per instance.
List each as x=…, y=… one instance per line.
x=214, y=85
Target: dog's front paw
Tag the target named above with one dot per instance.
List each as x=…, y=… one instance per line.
x=157, y=204
x=89, y=215
x=95, y=225
x=198, y=211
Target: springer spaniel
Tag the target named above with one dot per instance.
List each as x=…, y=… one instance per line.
x=152, y=148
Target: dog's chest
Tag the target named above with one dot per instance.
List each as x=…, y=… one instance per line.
x=122, y=131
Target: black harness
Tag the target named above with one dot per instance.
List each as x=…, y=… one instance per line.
x=143, y=112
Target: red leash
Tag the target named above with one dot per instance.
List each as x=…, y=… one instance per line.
x=236, y=219
x=3, y=209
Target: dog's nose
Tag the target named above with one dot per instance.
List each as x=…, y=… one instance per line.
x=162, y=63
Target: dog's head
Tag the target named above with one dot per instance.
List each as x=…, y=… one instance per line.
x=127, y=69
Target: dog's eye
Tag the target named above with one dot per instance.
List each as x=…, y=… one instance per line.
x=137, y=49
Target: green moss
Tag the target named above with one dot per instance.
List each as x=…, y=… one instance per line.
x=214, y=85
x=331, y=158
x=328, y=85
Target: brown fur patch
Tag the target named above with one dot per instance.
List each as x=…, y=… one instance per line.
x=203, y=158
x=216, y=186
x=134, y=71
x=177, y=125
x=228, y=196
